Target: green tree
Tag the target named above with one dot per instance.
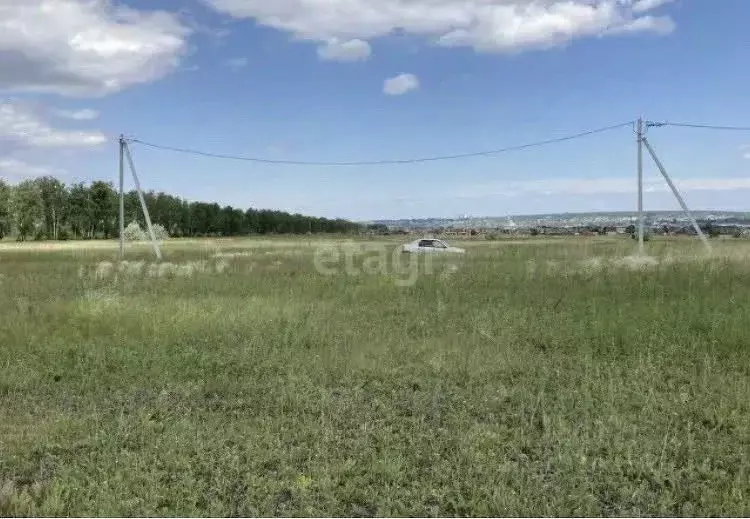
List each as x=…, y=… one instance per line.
x=198, y=219
x=54, y=205
x=6, y=221
x=133, y=211
x=171, y=218
x=212, y=214
x=45, y=208
x=28, y=210
x=232, y=221
x=185, y=221
x=252, y=223
x=104, y=209
x=80, y=212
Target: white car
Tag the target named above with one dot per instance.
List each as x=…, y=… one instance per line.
x=431, y=245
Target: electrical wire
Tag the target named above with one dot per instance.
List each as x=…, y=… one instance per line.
x=381, y=162
x=701, y=126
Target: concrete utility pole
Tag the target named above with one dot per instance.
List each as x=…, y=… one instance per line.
x=677, y=194
x=154, y=243
x=122, y=198
x=640, y=187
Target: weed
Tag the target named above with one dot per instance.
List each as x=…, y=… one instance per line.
x=535, y=378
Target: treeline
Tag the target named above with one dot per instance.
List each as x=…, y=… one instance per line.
x=45, y=208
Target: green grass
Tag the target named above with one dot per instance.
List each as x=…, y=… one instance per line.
x=522, y=379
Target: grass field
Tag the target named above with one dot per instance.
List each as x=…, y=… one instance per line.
x=530, y=377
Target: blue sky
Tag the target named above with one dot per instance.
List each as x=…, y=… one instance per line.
x=308, y=80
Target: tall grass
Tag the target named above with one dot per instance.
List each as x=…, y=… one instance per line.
x=544, y=377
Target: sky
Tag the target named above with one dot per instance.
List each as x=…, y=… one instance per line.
x=368, y=80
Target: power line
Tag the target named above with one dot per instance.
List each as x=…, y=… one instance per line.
x=700, y=126
x=381, y=162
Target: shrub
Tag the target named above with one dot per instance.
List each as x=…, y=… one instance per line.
x=133, y=232
x=160, y=232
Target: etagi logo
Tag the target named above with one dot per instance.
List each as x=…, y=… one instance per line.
x=355, y=259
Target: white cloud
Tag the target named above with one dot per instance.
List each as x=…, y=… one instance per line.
x=598, y=186
x=236, y=63
x=648, y=23
x=22, y=126
x=84, y=47
x=85, y=114
x=401, y=84
x=485, y=25
x=15, y=169
x=713, y=184
x=351, y=50
x=641, y=6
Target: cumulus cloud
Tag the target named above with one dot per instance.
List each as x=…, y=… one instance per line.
x=86, y=114
x=22, y=126
x=351, y=50
x=85, y=47
x=648, y=23
x=485, y=25
x=401, y=84
x=641, y=6
x=14, y=169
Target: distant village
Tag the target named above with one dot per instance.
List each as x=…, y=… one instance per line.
x=735, y=225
